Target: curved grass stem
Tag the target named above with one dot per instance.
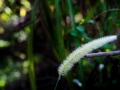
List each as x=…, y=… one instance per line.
x=57, y=82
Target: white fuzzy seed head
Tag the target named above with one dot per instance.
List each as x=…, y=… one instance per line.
x=77, y=54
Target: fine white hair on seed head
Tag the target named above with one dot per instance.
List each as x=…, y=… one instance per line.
x=77, y=54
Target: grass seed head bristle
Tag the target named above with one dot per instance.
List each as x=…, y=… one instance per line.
x=77, y=54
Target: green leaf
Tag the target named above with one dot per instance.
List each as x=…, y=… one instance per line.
x=74, y=33
x=91, y=13
x=80, y=29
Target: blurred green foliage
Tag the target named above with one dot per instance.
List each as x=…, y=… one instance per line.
x=67, y=24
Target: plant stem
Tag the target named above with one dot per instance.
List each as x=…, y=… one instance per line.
x=81, y=73
x=91, y=13
x=30, y=61
x=110, y=10
x=57, y=82
x=112, y=53
x=30, y=49
x=76, y=41
x=72, y=15
x=73, y=23
x=59, y=36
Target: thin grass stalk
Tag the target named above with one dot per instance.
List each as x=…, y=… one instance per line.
x=59, y=31
x=73, y=22
x=72, y=15
x=30, y=49
x=50, y=28
x=81, y=73
x=70, y=76
x=91, y=13
x=57, y=82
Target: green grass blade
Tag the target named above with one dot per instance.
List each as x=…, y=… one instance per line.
x=91, y=13
x=30, y=49
x=77, y=43
x=71, y=14
x=59, y=36
x=50, y=28
x=81, y=73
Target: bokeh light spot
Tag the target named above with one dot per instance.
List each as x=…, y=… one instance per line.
x=22, y=12
x=1, y=30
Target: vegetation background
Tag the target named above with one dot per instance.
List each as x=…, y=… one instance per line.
x=37, y=35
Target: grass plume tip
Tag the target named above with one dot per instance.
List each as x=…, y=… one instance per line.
x=77, y=54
